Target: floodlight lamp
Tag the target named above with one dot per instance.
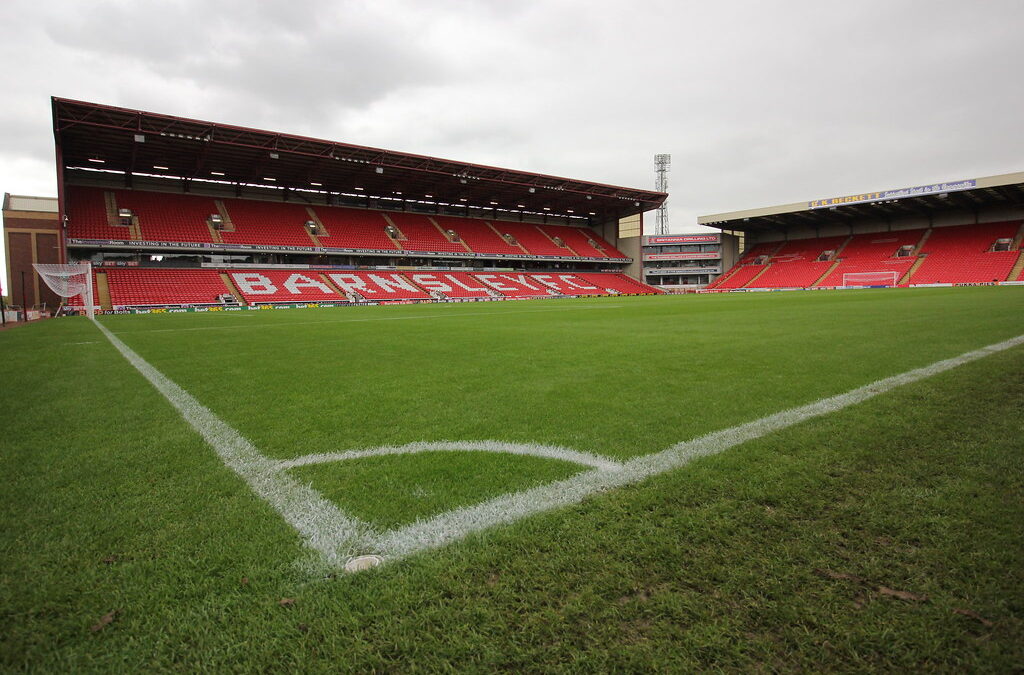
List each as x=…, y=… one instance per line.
x=316, y=184
x=532, y=190
x=379, y=169
x=274, y=155
x=216, y=173
x=160, y=168
x=97, y=160
x=140, y=138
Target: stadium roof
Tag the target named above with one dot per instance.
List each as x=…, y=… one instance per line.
x=968, y=194
x=134, y=142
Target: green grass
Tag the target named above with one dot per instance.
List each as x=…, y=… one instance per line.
x=767, y=557
x=397, y=490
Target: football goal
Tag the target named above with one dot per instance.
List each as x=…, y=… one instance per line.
x=870, y=278
x=72, y=281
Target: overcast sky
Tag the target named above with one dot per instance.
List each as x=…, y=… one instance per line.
x=759, y=102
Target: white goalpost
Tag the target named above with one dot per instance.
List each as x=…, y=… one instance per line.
x=69, y=281
x=889, y=278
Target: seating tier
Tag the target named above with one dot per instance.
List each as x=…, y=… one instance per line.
x=875, y=252
x=961, y=254
x=142, y=287
x=174, y=217
x=478, y=235
x=87, y=216
x=169, y=217
x=421, y=234
x=151, y=286
x=267, y=223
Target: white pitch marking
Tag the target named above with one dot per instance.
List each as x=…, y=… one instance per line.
x=338, y=536
x=376, y=318
x=456, y=524
x=546, y=451
x=322, y=525
x=92, y=342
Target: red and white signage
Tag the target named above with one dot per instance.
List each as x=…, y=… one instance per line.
x=683, y=239
x=309, y=286
x=714, y=255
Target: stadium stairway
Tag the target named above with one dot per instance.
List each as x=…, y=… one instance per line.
x=396, y=238
x=725, y=277
x=114, y=220
x=1017, y=273
x=832, y=268
x=910, y=272
x=767, y=265
x=836, y=262
x=319, y=227
x=757, y=276
x=215, y=234
x=518, y=246
x=905, y=279
x=922, y=242
x=460, y=242
x=226, y=225
x=558, y=241
x=230, y=285
x=103, y=291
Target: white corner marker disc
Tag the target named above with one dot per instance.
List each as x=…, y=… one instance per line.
x=363, y=562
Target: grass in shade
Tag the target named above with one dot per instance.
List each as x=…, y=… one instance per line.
x=883, y=537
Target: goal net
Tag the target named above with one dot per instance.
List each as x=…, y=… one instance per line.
x=71, y=282
x=870, y=278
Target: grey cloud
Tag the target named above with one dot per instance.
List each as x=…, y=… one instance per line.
x=758, y=102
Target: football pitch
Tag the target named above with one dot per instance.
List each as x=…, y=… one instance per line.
x=767, y=481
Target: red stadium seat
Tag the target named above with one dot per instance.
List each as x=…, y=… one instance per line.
x=961, y=254
x=140, y=287
x=875, y=252
x=172, y=217
x=151, y=287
